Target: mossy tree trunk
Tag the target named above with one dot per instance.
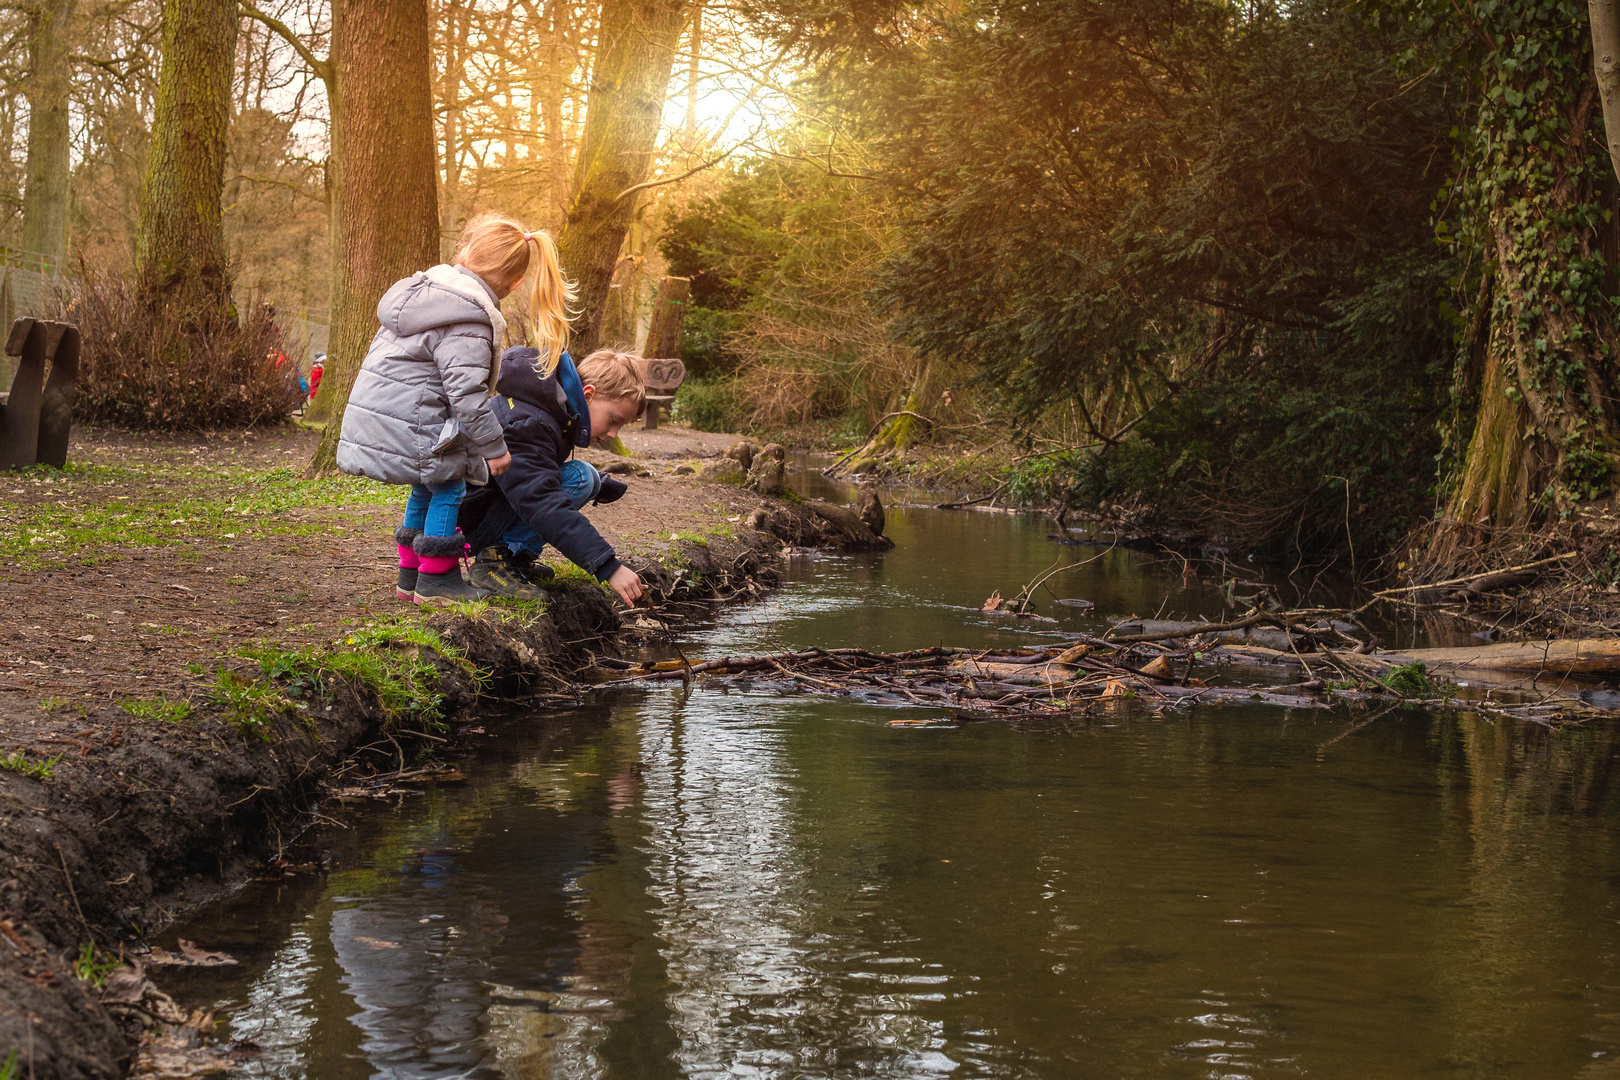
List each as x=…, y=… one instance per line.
x=893, y=434
x=180, y=240
x=48, y=87
x=387, y=199
x=1544, y=435
x=635, y=57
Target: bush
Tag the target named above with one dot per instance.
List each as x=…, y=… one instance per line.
x=704, y=348
x=174, y=370
x=708, y=406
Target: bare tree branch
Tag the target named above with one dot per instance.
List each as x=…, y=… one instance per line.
x=323, y=69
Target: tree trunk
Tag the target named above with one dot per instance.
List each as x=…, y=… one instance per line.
x=559, y=68
x=1544, y=437
x=387, y=200
x=45, y=192
x=636, y=46
x=180, y=241
x=1606, y=63
x=694, y=73
x=664, y=338
x=460, y=20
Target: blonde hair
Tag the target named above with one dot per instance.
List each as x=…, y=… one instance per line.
x=615, y=374
x=497, y=249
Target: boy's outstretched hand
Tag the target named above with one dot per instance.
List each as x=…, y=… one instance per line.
x=627, y=584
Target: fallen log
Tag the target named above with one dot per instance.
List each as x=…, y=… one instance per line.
x=1582, y=656
x=854, y=532
x=1244, y=631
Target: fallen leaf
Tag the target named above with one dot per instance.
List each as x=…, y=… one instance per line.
x=994, y=602
x=377, y=943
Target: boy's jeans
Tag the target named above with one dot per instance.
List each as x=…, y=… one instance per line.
x=432, y=507
x=580, y=482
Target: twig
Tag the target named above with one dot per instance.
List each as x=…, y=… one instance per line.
x=1386, y=594
x=73, y=893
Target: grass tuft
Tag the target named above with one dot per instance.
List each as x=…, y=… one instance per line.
x=157, y=708
x=248, y=704
x=40, y=770
x=1412, y=680
x=87, y=968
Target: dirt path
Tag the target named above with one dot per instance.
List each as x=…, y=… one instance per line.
x=152, y=557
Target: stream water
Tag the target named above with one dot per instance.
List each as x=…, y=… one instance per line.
x=747, y=883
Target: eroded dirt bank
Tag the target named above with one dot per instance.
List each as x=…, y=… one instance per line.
x=197, y=639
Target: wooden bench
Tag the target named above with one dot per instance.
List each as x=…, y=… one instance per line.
x=661, y=378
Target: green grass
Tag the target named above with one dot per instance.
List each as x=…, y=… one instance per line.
x=248, y=704
x=59, y=704
x=157, y=708
x=87, y=968
x=387, y=658
x=96, y=514
x=691, y=538
x=11, y=1069
x=1412, y=680
x=40, y=770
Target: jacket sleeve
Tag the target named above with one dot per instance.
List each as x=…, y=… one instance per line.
x=463, y=356
x=533, y=486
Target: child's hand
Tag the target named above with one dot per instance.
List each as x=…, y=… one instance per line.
x=498, y=465
x=627, y=584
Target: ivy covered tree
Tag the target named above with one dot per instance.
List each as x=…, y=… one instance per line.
x=1534, y=430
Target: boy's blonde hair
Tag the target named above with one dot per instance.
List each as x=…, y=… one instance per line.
x=615, y=375
x=497, y=248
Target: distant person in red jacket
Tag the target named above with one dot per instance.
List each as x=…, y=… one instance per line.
x=316, y=368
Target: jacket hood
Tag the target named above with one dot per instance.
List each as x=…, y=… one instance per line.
x=439, y=296
x=521, y=381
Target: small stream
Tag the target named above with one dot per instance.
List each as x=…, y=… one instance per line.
x=747, y=883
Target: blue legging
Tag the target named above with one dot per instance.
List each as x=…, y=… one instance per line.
x=432, y=507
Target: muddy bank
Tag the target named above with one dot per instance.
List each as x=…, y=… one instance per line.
x=176, y=696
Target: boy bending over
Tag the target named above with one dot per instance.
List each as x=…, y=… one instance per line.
x=537, y=500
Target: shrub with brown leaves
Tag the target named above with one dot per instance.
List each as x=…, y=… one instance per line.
x=175, y=370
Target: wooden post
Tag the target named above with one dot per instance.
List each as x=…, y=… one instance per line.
x=664, y=338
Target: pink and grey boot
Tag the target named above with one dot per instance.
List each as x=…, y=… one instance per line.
x=438, y=576
x=409, y=562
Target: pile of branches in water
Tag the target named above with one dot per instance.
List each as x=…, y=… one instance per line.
x=1078, y=674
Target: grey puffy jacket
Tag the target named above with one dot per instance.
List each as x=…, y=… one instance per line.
x=419, y=411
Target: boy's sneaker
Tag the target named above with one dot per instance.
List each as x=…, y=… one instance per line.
x=531, y=569
x=438, y=590
x=406, y=589
x=497, y=572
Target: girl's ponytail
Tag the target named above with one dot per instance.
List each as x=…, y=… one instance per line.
x=551, y=299
x=497, y=249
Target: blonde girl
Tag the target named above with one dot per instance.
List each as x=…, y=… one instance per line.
x=419, y=412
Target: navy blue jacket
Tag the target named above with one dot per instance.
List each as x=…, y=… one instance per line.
x=541, y=427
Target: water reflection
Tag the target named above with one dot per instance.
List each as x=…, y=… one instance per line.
x=743, y=883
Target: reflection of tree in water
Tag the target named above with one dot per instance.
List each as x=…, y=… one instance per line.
x=1530, y=805
x=465, y=942
x=607, y=1014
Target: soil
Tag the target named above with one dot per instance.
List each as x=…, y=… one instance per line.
x=118, y=620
